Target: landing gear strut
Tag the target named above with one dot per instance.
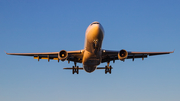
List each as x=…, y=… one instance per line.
x=75, y=69
x=108, y=68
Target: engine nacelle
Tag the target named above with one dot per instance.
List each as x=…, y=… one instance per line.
x=62, y=55
x=122, y=54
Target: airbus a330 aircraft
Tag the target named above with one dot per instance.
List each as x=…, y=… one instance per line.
x=92, y=54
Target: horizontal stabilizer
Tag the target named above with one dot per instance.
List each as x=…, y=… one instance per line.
x=80, y=68
x=102, y=68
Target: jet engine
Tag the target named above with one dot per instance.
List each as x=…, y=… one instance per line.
x=62, y=55
x=122, y=54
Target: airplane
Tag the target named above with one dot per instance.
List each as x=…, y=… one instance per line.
x=92, y=55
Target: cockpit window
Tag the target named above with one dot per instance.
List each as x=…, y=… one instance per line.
x=95, y=23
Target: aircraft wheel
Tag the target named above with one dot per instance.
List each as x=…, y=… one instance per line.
x=106, y=70
x=77, y=70
x=73, y=70
x=110, y=70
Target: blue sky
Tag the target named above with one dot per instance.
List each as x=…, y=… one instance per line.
x=50, y=26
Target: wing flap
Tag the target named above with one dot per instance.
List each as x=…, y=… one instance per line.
x=151, y=53
x=137, y=56
x=33, y=54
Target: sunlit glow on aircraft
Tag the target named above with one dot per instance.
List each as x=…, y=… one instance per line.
x=92, y=54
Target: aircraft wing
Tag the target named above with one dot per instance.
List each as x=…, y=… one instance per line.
x=72, y=55
x=108, y=55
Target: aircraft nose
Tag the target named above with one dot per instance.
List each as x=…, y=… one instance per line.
x=96, y=27
x=95, y=30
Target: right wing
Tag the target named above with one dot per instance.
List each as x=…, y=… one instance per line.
x=72, y=55
x=108, y=55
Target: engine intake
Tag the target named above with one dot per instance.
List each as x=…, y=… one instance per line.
x=62, y=55
x=122, y=54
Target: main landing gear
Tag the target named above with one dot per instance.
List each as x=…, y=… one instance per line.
x=108, y=68
x=75, y=69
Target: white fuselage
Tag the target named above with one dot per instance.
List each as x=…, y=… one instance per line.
x=92, y=48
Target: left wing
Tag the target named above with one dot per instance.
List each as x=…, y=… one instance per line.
x=72, y=55
x=108, y=55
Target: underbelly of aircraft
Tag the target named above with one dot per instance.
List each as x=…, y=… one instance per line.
x=89, y=69
x=91, y=64
x=91, y=60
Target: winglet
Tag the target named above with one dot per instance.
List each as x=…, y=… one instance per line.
x=5, y=51
x=173, y=51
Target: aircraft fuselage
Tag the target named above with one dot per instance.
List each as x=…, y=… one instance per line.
x=92, y=48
